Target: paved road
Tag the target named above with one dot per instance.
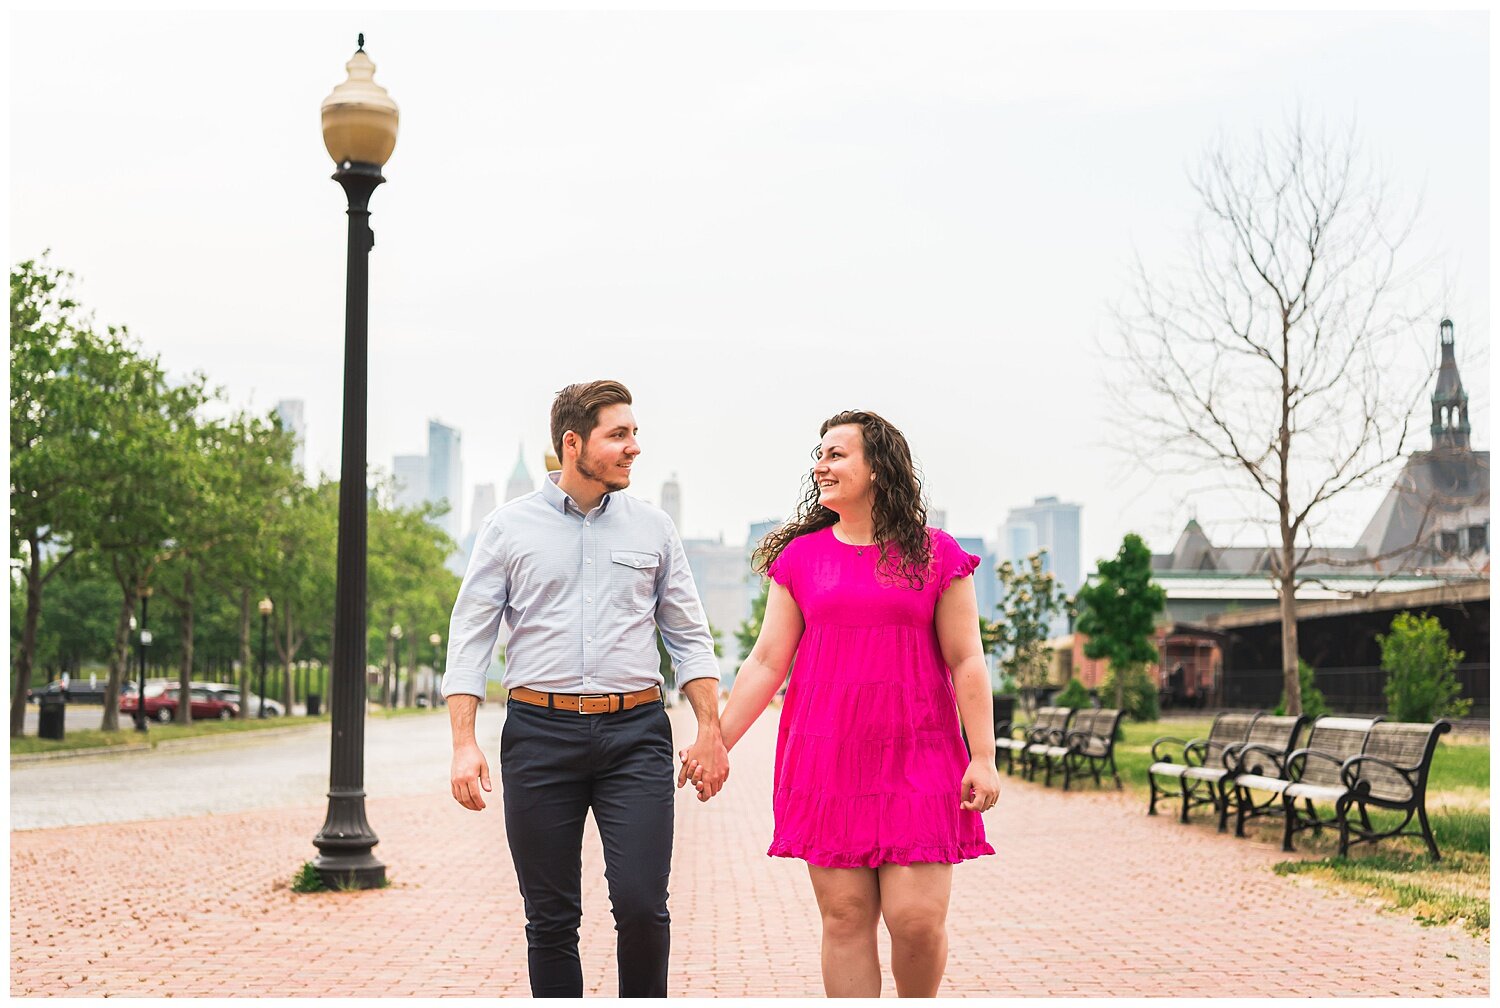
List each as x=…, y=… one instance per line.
x=405, y=755
x=1088, y=897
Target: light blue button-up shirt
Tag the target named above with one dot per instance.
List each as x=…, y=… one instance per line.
x=581, y=594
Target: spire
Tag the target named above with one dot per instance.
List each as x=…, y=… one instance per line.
x=519, y=472
x=1450, y=403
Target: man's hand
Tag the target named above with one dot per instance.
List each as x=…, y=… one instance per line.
x=706, y=764
x=469, y=773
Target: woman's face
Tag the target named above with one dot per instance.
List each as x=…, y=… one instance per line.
x=845, y=480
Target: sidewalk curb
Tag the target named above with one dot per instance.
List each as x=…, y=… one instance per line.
x=171, y=745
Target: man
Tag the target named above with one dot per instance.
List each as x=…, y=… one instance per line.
x=583, y=576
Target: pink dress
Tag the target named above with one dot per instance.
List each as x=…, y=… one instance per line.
x=868, y=756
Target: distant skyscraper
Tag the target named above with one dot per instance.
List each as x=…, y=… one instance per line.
x=671, y=502
x=938, y=518
x=445, y=474
x=520, y=483
x=484, y=503
x=411, y=480
x=294, y=419
x=720, y=575
x=1051, y=525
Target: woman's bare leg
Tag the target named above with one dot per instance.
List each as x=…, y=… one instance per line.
x=849, y=900
x=914, y=902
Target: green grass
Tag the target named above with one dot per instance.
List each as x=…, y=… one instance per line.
x=1455, y=890
x=157, y=733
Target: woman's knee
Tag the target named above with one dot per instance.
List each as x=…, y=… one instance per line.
x=918, y=925
x=849, y=916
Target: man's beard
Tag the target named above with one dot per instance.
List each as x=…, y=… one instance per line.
x=587, y=470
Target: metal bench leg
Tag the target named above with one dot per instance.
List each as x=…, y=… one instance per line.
x=1115, y=770
x=1151, y=782
x=1312, y=817
x=1432, y=847
x=1341, y=813
x=1241, y=800
x=1223, y=805
x=1289, y=811
x=1183, y=785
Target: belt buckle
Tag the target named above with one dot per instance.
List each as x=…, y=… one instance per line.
x=594, y=696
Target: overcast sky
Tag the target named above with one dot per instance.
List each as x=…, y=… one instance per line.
x=753, y=220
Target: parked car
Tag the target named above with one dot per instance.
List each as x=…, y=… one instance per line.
x=231, y=692
x=161, y=705
x=79, y=691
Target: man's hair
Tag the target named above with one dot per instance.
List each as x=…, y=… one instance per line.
x=577, y=407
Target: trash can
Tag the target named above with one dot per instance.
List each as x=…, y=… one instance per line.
x=52, y=719
x=314, y=704
x=1004, y=706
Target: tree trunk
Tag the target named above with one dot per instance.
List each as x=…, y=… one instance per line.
x=28, y=640
x=119, y=665
x=1291, y=680
x=185, y=677
x=244, y=653
x=1119, y=688
x=289, y=650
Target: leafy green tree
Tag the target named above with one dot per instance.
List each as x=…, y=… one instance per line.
x=1134, y=690
x=1117, y=611
x=1314, y=703
x=1420, y=664
x=56, y=459
x=1030, y=600
x=748, y=632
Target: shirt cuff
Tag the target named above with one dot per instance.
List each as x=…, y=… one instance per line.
x=699, y=666
x=469, y=683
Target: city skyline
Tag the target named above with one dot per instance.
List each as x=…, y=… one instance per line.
x=924, y=215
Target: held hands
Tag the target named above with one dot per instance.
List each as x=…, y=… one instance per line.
x=706, y=764
x=469, y=772
x=980, y=788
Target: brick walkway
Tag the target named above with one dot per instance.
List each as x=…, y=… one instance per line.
x=201, y=907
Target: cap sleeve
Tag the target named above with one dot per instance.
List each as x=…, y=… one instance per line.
x=781, y=568
x=952, y=560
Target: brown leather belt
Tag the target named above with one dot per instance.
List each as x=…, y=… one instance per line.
x=592, y=703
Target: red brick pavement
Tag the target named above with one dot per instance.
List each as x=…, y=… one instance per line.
x=202, y=907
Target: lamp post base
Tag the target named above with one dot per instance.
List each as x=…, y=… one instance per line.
x=345, y=843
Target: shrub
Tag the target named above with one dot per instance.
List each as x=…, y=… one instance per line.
x=1313, y=701
x=1416, y=655
x=1140, y=694
x=1073, y=695
x=307, y=879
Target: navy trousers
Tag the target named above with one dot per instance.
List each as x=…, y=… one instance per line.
x=554, y=767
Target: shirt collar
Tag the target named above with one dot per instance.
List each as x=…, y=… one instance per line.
x=559, y=499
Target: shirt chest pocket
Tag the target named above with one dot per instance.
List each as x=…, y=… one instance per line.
x=632, y=579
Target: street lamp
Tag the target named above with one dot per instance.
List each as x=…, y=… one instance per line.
x=265, y=617
x=359, y=130
x=144, y=641
x=436, y=640
x=394, y=696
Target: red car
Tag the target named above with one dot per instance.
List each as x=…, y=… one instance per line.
x=162, y=706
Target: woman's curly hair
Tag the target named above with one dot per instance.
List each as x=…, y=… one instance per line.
x=900, y=512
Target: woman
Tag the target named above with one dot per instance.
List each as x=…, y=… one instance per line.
x=873, y=787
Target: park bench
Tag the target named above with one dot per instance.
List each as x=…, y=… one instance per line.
x=1268, y=743
x=1313, y=771
x=1197, y=765
x=1088, y=746
x=1018, y=739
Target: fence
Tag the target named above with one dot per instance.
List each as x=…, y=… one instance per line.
x=1347, y=690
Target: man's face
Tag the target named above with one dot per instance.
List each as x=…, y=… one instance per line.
x=611, y=449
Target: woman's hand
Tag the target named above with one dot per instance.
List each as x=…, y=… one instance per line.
x=980, y=788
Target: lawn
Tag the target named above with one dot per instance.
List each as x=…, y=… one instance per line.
x=157, y=733
x=1397, y=871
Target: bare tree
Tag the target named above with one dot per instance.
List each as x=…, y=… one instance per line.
x=1282, y=354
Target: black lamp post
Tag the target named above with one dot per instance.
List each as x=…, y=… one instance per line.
x=359, y=130
x=265, y=617
x=395, y=697
x=143, y=642
x=436, y=640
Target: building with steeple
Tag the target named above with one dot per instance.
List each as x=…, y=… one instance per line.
x=520, y=483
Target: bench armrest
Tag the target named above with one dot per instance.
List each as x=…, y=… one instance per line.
x=1239, y=759
x=1351, y=781
x=1158, y=757
x=1297, y=759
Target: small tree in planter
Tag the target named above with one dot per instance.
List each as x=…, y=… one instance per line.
x=1031, y=599
x=1117, y=610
